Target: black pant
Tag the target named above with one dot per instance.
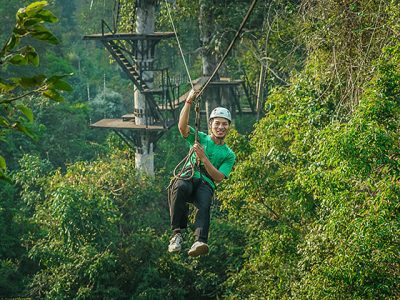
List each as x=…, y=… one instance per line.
x=194, y=191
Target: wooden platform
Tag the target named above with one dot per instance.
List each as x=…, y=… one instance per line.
x=226, y=81
x=120, y=124
x=197, y=84
x=128, y=36
x=158, y=91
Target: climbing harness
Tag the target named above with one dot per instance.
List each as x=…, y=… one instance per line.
x=187, y=167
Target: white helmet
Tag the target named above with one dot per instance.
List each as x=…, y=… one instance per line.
x=221, y=112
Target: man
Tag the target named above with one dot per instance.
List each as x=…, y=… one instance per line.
x=216, y=161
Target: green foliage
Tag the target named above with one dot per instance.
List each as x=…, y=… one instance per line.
x=240, y=143
x=98, y=232
x=29, y=23
x=167, y=158
x=14, y=116
x=343, y=38
x=318, y=198
x=3, y=167
x=9, y=277
x=107, y=104
x=350, y=250
x=58, y=238
x=64, y=134
x=57, y=64
x=14, y=266
x=73, y=250
x=309, y=212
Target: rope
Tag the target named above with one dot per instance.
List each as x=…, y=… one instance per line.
x=179, y=44
x=182, y=165
x=229, y=47
x=187, y=161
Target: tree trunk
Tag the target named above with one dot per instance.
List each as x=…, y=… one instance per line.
x=206, y=26
x=227, y=101
x=263, y=75
x=260, y=92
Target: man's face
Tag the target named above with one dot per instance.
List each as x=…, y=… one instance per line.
x=219, y=127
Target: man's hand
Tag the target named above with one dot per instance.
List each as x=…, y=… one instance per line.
x=192, y=96
x=183, y=123
x=199, y=150
x=216, y=175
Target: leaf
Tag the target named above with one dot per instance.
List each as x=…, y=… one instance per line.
x=53, y=94
x=32, y=21
x=19, y=32
x=4, y=122
x=18, y=126
x=26, y=111
x=62, y=85
x=12, y=42
x=18, y=59
x=41, y=33
x=32, y=57
x=46, y=16
x=3, y=165
x=38, y=28
x=41, y=16
x=3, y=169
x=24, y=56
x=32, y=8
x=55, y=78
x=21, y=15
x=5, y=87
x=29, y=82
x=5, y=177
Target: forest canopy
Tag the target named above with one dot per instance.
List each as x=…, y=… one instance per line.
x=311, y=208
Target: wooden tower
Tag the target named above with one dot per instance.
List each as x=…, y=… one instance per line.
x=135, y=53
x=156, y=98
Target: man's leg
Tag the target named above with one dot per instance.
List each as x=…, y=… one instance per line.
x=178, y=207
x=202, y=201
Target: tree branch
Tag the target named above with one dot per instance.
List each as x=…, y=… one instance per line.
x=7, y=101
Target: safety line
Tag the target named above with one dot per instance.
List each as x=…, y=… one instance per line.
x=229, y=48
x=179, y=44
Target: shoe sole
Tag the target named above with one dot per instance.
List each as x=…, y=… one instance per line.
x=174, y=250
x=199, y=250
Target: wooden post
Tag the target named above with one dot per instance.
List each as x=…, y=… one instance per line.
x=145, y=23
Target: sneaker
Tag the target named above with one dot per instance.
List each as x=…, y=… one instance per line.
x=175, y=243
x=198, y=248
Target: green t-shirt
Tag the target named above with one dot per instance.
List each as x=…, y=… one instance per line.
x=221, y=156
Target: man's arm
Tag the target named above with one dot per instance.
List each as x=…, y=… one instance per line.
x=183, y=124
x=215, y=174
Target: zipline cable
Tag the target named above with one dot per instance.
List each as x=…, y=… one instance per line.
x=229, y=47
x=179, y=44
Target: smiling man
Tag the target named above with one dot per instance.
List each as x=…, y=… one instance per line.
x=216, y=160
